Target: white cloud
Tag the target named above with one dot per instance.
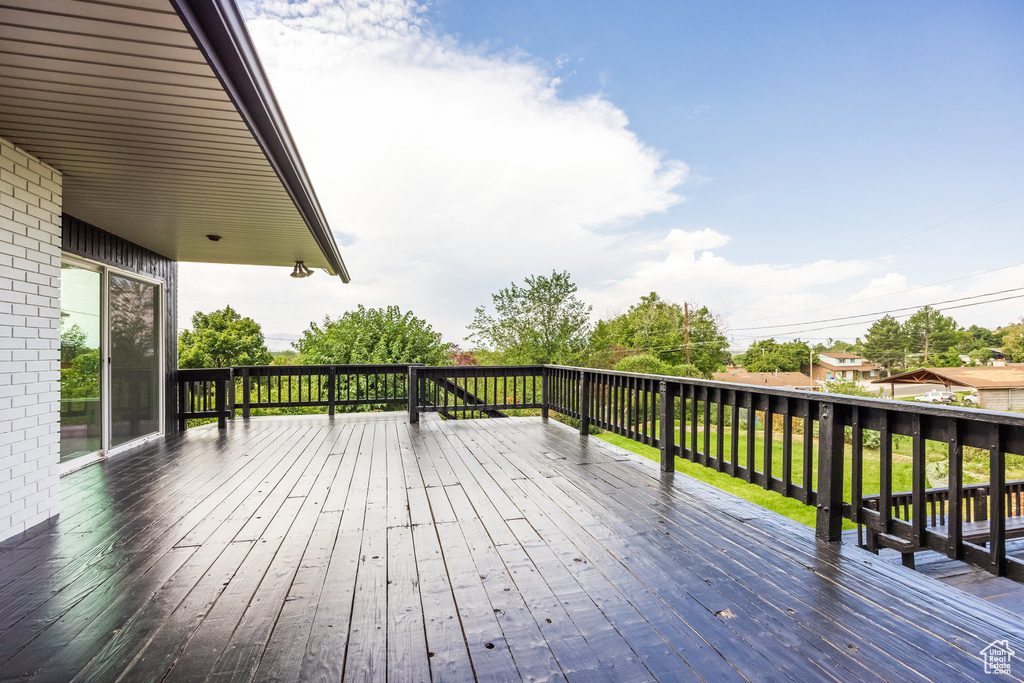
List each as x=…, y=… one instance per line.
x=449, y=171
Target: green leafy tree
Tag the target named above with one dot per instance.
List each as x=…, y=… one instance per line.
x=1013, y=342
x=929, y=332
x=543, y=322
x=709, y=347
x=648, y=364
x=659, y=328
x=884, y=343
x=767, y=355
x=222, y=339
x=374, y=335
x=975, y=338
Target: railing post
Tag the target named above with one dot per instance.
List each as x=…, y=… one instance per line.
x=246, y=408
x=332, y=378
x=414, y=399
x=544, y=393
x=231, y=393
x=219, y=401
x=666, y=416
x=182, y=402
x=584, y=404
x=829, y=522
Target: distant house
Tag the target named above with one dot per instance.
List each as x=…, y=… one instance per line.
x=998, y=387
x=841, y=365
x=778, y=380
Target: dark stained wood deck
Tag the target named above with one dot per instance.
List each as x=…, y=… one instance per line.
x=365, y=548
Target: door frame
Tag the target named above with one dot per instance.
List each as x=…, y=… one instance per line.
x=106, y=405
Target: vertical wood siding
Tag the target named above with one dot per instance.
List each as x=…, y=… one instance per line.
x=83, y=239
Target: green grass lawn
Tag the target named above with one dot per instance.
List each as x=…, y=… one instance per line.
x=901, y=471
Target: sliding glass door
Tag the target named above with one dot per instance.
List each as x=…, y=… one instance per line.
x=134, y=358
x=111, y=360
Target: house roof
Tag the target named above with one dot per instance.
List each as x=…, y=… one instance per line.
x=839, y=354
x=1005, y=377
x=162, y=121
x=863, y=367
x=765, y=379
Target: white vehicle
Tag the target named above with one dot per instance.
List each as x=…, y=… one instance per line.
x=972, y=399
x=937, y=396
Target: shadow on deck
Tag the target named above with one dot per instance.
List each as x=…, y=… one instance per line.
x=364, y=547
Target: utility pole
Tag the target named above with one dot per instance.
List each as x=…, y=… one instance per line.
x=686, y=329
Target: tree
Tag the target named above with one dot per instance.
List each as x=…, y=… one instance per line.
x=929, y=332
x=1013, y=342
x=884, y=344
x=374, y=335
x=222, y=339
x=647, y=364
x=975, y=338
x=660, y=327
x=543, y=322
x=709, y=347
x=767, y=355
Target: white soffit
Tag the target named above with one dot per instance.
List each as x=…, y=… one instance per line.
x=163, y=135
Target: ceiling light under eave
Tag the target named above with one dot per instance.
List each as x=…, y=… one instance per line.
x=300, y=270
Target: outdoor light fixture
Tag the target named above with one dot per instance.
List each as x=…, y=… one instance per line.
x=300, y=270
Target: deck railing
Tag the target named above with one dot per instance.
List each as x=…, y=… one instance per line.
x=837, y=453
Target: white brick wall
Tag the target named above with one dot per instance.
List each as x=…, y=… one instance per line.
x=30, y=201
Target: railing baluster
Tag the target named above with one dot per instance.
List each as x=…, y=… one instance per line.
x=787, y=449
x=954, y=548
x=808, y=463
x=751, y=439
x=666, y=421
x=720, y=429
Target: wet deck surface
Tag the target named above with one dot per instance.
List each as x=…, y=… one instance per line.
x=365, y=548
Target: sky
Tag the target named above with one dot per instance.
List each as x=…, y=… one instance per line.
x=798, y=167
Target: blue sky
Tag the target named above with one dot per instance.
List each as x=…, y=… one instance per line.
x=766, y=159
x=867, y=120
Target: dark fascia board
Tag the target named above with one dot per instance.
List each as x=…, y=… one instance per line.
x=219, y=31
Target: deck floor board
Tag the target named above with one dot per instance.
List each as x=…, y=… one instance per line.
x=361, y=547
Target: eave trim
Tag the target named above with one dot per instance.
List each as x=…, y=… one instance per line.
x=219, y=31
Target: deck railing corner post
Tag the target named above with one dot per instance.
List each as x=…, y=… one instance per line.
x=414, y=413
x=831, y=446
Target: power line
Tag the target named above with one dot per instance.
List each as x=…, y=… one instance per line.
x=884, y=296
x=872, y=315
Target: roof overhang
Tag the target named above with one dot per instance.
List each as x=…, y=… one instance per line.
x=921, y=376
x=162, y=121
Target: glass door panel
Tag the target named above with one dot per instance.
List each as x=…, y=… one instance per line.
x=81, y=362
x=134, y=312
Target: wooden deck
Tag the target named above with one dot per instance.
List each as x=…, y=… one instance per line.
x=361, y=547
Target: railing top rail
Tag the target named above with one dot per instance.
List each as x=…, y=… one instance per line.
x=397, y=367
x=488, y=368
x=945, y=489
x=204, y=374
x=971, y=414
